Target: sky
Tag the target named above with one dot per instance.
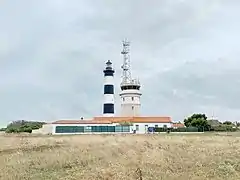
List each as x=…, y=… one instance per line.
x=185, y=53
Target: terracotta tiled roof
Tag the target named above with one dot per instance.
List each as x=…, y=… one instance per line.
x=81, y=122
x=140, y=119
x=109, y=120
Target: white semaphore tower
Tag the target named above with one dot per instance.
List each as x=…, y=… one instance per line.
x=130, y=88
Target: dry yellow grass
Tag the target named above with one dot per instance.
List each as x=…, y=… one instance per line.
x=126, y=157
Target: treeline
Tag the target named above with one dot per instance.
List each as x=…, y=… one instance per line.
x=200, y=121
x=2, y=129
x=23, y=126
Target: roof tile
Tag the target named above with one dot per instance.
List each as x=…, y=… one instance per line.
x=81, y=122
x=109, y=120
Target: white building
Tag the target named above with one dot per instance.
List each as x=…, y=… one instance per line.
x=110, y=125
x=130, y=99
x=130, y=88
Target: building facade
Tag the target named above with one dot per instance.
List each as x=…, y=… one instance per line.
x=110, y=125
x=130, y=99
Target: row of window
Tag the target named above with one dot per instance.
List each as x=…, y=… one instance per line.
x=90, y=129
x=130, y=87
x=132, y=99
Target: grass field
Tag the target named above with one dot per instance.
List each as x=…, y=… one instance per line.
x=126, y=157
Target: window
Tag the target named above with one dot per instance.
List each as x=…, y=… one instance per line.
x=69, y=129
x=164, y=126
x=156, y=126
x=132, y=98
x=132, y=107
x=88, y=127
x=122, y=129
x=125, y=128
x=137, y=127
x=123, y=99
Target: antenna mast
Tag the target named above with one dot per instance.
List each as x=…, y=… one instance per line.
x=130, y=87
x=126, y=74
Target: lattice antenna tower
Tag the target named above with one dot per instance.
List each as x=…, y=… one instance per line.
x=126, y=71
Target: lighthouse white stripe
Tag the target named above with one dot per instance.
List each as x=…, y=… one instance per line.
x=108, y=114
x=108, y=80
x=109, y=98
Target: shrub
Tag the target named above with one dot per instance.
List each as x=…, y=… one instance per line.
x=28, y=130
x=223, y=128
x=181, y=129
x=126, y=123
x=12, y=130
x=23, y=126
x=3, y=129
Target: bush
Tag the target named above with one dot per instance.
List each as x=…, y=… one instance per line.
x=126, y=123
x=228, y=123
x=182, y=129
x=12, y=130
x=28, y=130
x=23, y=126
x=224, y=128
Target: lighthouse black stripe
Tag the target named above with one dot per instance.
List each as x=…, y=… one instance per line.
x=108, y=72
x=108, y=108
x=108, y=89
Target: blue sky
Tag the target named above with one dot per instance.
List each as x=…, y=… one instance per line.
x=184, y=52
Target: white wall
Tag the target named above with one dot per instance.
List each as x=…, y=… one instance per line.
x=46, y=129
x=130, y=102
x=142, y=127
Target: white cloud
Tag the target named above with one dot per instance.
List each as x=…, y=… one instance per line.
x=52, y=54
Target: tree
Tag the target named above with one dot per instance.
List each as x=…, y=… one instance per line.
x=197, y=120
x=126, y=123
x=238, y=124
x=214, y=122
x=23, y=126
x=229, y=123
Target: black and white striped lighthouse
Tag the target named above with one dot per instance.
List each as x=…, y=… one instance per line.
x=108, y=105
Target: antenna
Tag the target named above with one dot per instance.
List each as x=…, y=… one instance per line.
x=126, y=74
x=130, y=88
